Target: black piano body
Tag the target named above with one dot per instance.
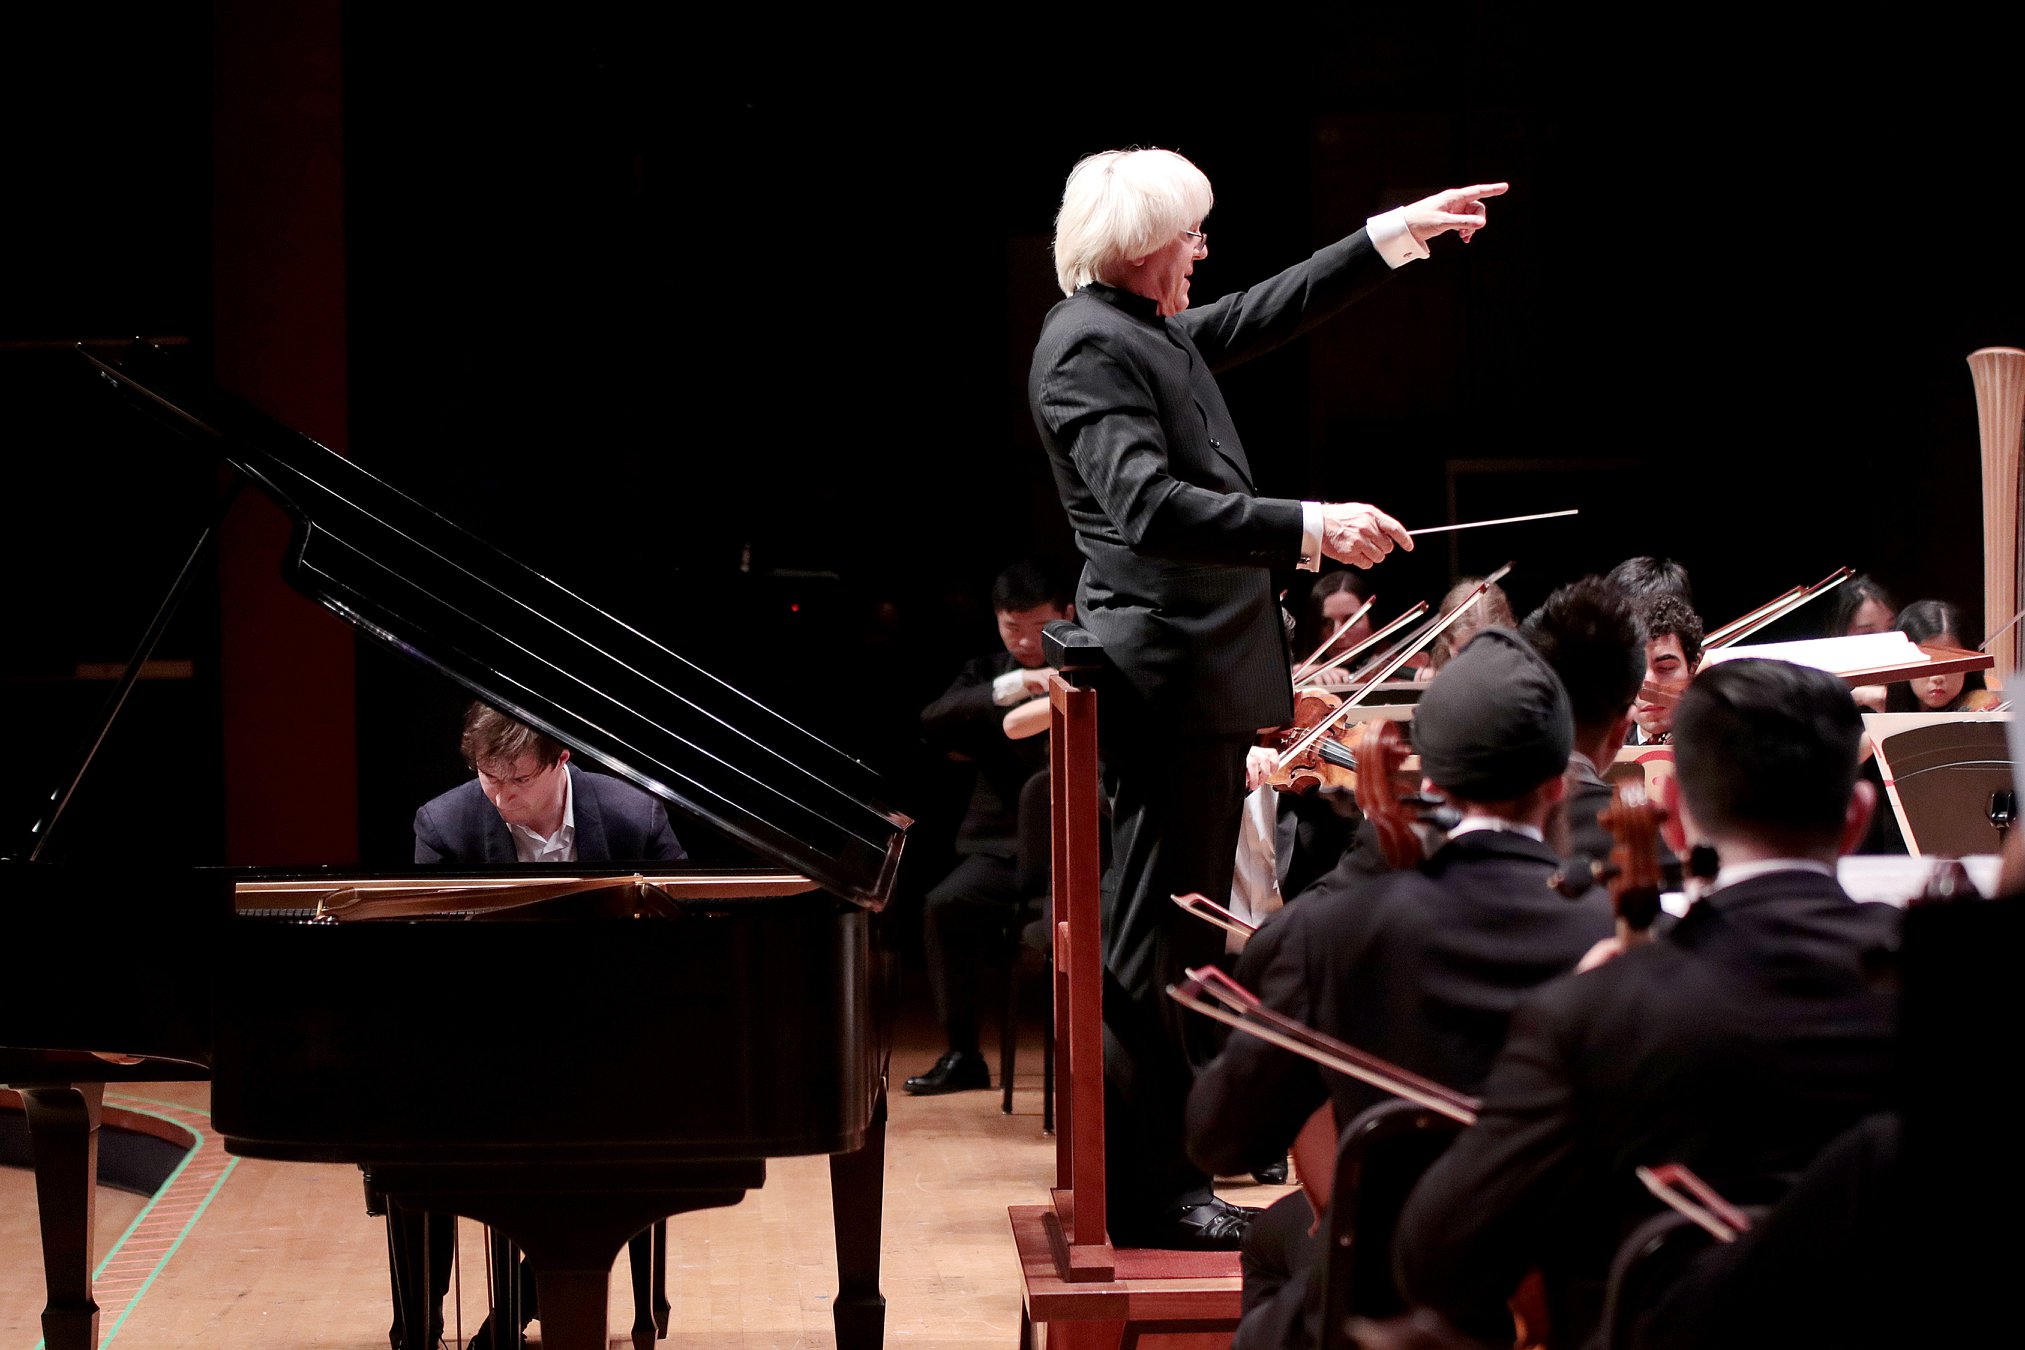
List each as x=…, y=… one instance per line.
x=643, y=1067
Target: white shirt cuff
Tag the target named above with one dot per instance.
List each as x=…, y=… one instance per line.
x=1395, y=243
x=1010, y=688
x=1311, y=537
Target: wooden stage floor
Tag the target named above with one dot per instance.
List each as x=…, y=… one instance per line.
x=283, y=1254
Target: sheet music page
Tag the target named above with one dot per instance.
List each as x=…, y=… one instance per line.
x=1863, y=651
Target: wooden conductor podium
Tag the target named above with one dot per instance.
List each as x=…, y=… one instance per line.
x=1079, y=1291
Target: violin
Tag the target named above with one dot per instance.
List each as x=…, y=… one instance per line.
x=1381, y=748
x=1633, y=872
x=1310, y=761
x=1365, y=759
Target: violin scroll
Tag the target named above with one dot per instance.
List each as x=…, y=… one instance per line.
x=1380, y=749
x=1634, y=876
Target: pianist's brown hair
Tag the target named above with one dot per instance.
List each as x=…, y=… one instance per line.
x=491, y=737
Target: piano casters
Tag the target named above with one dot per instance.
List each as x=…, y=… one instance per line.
x=857, y=1188
x=63, y=1124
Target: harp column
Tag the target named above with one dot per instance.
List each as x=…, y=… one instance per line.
x=1999, y=376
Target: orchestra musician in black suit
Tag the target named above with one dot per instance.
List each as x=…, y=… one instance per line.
x=525, y=803
x=1673, y=652
x=982, y=892
x=1178, y=549
x=1420, y=966
x=1737, y=1043
x=1589, y=632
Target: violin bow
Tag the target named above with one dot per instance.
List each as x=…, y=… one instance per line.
x=1339, y=630
x=1688, y=1194
x=1420, y=640
x=1217, y=996
x=2011, y=623
x=1333, y=662
x=1740, y=629
x=1202, y=907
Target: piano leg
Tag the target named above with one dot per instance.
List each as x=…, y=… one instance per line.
x=504, y=1322
x=640, y=1261
x=661, y=1305
x=63, y=1123
x=857, y=1198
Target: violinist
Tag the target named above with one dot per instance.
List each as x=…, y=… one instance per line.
x=1673, y=649
x=1938, y=622
x=1334, y=598
x=1644, y=577
x=1737, y=1043
x=1178, y=549
x=1861, y=606
x=1589, y=632
x=1420, y=967
x=982, y=892
x=1490, y=609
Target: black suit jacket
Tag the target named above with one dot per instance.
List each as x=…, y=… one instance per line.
x=616, y=822
x=1158, y=488
x=1422, y=967
x=966, y=721
x=1738, y=1043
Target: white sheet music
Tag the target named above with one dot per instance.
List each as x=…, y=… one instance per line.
x=1863, y=651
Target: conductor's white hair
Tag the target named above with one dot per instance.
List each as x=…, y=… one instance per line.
x=1124, y=204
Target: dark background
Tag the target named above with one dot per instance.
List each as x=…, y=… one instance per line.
x=725, y=324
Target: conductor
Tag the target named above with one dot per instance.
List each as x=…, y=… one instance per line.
x=1177, y=550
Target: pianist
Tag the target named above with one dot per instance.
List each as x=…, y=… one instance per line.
x=527, y=804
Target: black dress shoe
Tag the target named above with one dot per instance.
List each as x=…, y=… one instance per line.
x=957, y=1071
x=1214, y=1226
x=1275, y=1175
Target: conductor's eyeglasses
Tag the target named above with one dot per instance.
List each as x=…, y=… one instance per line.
x=1201, y=238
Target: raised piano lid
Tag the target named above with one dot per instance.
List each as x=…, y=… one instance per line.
x=434, y=592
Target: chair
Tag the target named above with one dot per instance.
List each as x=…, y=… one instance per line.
x=1028, y=929
x=1380, y=1156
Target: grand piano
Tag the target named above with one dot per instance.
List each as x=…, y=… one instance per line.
x=661, y=1039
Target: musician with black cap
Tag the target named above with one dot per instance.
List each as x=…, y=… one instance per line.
x=1421, y=966
x=1737, y=1043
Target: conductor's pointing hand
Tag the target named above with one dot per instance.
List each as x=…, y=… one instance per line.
x=1458, y=209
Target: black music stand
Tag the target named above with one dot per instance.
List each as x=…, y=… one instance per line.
x=1947, y=777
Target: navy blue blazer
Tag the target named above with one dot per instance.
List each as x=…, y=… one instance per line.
x=616, y=822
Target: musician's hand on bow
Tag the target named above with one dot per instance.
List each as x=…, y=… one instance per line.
x=1458, y=209
x=1260, y=766
x=1359, y=534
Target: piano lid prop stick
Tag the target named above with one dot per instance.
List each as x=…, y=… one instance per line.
x=1502, y=520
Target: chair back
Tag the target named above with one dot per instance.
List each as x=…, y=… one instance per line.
x=1380, y=1156
x=1647, y=1263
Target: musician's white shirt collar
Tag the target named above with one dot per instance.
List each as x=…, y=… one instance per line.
x=560, y=847
x=1480, y=822
x=1730, y=876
